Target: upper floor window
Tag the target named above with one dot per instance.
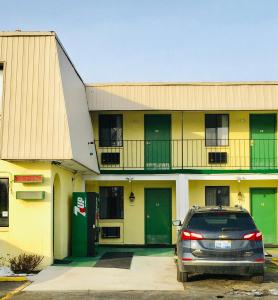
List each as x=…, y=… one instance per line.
x=110, y=130
x=217, y=129
x=217, y=195
x=111, y=202
x=4, y=202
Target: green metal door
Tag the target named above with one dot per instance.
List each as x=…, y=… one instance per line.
x=263, y=143
x=158, y=216
x=157, y=141
x=263, y=208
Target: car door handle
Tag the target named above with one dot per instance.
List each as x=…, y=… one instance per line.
x=148, y=216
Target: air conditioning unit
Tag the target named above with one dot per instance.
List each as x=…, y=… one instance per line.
x=110, y=232
x=217, y=157
x=110, y=158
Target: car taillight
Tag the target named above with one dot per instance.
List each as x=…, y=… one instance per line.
x=254, y=236
x=187, y=235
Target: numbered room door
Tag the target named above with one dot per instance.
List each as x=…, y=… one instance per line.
x=263, y=140
x=157, y=141
x=264, y=212
x=158, y=216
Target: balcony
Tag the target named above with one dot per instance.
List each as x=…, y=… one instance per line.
x=187, y=154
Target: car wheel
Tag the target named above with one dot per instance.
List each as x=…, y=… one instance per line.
x=257, y=278
x=181, y=276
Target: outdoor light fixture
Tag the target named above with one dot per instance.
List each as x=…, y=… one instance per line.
x=132, y=195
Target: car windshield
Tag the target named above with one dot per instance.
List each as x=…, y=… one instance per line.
x=221, y=221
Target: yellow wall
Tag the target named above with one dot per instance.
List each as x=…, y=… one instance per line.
x=67, y=184
x=31, y=221
x=197, y=190
x=193, y=132
x=132, y=226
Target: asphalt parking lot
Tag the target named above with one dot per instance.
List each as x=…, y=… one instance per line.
x=199, y=287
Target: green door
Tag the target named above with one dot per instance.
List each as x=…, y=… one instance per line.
x=263, y=208
x=263, y=143
x=158, y=216
x=157, y=141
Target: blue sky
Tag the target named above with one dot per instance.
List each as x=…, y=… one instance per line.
x=157, y=40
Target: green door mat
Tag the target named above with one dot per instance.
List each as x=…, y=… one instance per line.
x=119, y=260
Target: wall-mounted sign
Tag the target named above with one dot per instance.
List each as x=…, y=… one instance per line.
x=30, y=195
x=28, y=178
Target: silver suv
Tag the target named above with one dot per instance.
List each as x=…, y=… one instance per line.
x=219, y=240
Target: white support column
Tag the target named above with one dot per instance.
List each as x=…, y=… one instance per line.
x=182, y=196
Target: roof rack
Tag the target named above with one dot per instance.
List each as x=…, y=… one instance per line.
x=196, y=207
x=239, y=206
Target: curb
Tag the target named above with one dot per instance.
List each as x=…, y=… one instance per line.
x=13, y=279
x=16, y=291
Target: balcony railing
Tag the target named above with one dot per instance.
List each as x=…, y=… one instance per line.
x=188, y=154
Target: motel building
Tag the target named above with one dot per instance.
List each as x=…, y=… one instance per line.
x=149, y=150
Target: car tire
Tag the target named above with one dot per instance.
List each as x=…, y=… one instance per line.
x=181, y=276
x=257, y=278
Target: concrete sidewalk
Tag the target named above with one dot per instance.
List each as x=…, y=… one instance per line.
x=146, y=273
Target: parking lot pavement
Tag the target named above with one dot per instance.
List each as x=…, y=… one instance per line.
x=199, y=287
x=7, y=287
x=146, y=273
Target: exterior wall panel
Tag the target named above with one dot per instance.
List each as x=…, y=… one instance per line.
x=34, y=120
x=187, y=96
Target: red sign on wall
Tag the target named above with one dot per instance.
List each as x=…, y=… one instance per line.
x=28, y=178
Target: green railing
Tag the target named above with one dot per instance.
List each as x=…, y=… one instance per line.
x=187, y=154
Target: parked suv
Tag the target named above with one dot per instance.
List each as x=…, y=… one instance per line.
x=219, y=240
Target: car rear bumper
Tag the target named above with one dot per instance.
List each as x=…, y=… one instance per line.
x=223, y=267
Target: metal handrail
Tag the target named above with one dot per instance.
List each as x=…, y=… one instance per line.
x=189, y=153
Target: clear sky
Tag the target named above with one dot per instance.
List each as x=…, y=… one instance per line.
x=158, y=40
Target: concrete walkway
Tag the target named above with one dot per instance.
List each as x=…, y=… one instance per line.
x=146, y=273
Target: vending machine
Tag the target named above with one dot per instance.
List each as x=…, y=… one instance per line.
x=85, y=229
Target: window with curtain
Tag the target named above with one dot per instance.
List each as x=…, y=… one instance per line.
x=4, y=202
x=111, y=202
x=217, y=195
x=217, y=129
x=110, y=130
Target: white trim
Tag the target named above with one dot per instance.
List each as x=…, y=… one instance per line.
x=173, y=177
x=116, y=177
x=239, y=176
x=182, y=197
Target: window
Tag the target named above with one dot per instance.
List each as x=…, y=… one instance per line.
x=219, y=221
x=111, y=202
x=4, y=202
x=217, y=130
x=217, y=195
x=110, y=130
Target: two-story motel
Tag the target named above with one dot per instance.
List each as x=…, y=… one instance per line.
x=151, y=150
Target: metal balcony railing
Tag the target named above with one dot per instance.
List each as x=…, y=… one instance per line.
x=187, y=154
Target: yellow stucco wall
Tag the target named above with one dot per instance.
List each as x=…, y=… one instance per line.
x=31, y=221
x=192, y=131
x=197, y=190
x=132, y=226
x=67, y=183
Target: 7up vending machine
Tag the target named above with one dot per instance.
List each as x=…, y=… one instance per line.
x=85, y=232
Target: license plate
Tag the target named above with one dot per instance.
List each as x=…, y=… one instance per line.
x=223, y=244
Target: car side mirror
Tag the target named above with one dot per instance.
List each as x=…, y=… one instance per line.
x=176, y=223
